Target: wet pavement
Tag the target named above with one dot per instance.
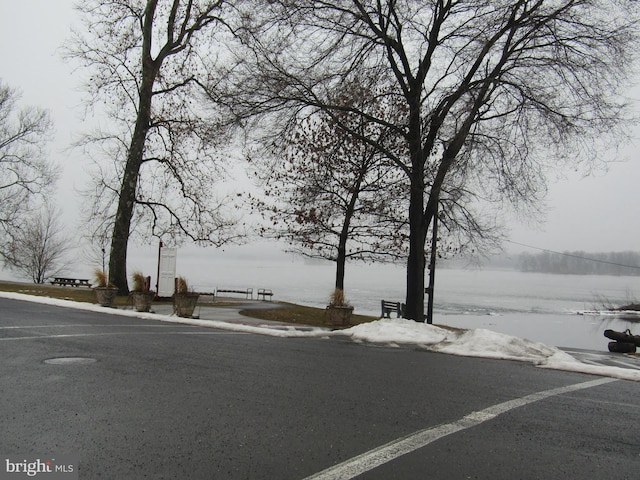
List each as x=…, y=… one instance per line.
x=133, y=398
x=229, y=312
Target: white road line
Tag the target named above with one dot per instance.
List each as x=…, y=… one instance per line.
x=386, y=453
x=104, y=334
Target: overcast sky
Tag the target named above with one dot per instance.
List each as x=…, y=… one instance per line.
x=597, y=213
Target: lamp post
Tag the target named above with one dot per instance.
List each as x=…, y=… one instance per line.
x=432, y=268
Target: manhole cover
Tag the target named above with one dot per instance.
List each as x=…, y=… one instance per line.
x=69, y=360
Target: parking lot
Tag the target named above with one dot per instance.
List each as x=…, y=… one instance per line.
x=135, y=398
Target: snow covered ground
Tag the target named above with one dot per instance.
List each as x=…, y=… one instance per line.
x=394, y=332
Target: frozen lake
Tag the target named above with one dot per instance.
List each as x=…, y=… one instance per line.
x=540, y=307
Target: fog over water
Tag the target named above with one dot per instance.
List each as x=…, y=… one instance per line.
x=542, y=307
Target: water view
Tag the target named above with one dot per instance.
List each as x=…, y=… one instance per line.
x=542, y=307
x=550, y=308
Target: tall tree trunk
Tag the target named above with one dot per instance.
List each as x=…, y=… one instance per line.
x=340, y=264
x=341, y=259
x=414, y=308
x=122, y=223
x=126, y=200
x=414, y=303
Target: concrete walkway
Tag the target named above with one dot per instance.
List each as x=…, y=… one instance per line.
x=230, y=312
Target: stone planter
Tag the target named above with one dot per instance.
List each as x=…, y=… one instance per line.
x=338, y=316
x=105, y=295
x=184, y=304
x=142, y=300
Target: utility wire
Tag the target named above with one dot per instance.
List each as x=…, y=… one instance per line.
x=566, y=254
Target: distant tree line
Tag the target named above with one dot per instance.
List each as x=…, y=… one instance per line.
x=581, y=263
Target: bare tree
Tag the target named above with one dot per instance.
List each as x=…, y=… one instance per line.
x=96, y=248
x=25, y=174
x=333, y=196
x=38, y=248
x=496, y=93
x=159, y=162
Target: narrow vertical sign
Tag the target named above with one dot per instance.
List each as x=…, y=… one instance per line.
x=167, y=271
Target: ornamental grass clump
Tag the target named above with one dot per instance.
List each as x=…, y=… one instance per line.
x=182, y=286
x=140, y=283
x=141, y=295
x=337, y=299
x=338, y=312
x=185, y=299
x=104, y=291
x=100, y=277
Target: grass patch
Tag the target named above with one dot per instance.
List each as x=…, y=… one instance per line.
x=75, y=294
x=299, y=314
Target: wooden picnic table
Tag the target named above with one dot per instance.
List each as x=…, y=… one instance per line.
x=71, y=282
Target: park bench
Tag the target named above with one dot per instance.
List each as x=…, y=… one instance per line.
x=248, y=292
x=71, y=282
x=389, y=307
x=265, y=292
x=206, y=296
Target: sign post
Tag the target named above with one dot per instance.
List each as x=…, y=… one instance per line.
x=166, y=271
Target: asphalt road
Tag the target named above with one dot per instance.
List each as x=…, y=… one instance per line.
x=166, y=401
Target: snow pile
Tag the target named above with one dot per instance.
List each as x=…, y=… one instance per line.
x=397, y=331
x=573, y=365
x=478, y=343
x=489, y=344
x=472, y=343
